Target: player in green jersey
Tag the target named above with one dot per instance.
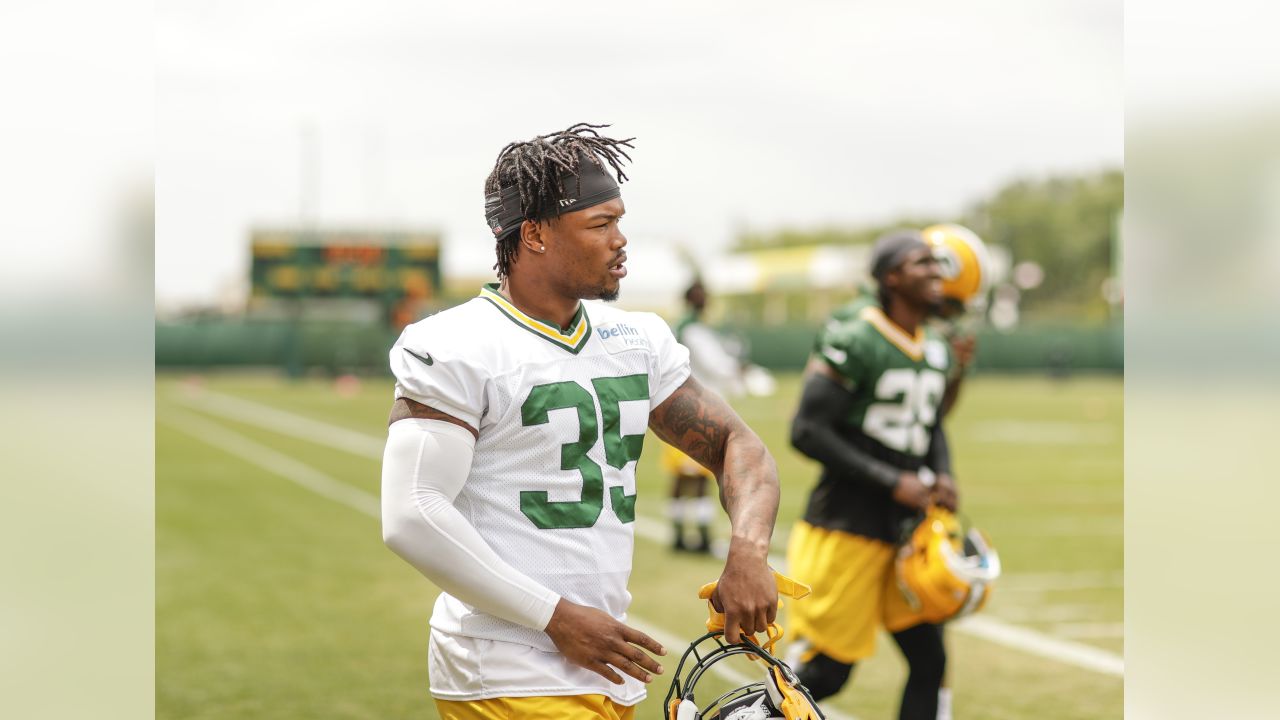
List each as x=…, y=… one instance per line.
x=869, y=413
x=966, y=268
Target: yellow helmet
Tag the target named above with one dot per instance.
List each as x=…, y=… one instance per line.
x=943, y=572
x=966, y=266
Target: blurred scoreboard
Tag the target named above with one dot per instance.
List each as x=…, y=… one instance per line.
x=383, y=266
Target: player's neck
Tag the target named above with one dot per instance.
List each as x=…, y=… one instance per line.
x=906, y=316
x=539, y=303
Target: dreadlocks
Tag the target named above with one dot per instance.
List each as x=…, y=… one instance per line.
x=537, y=168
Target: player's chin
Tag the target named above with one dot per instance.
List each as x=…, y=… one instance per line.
x=609, y=290
x=951, y=308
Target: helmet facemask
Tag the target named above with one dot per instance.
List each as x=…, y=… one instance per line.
x=778, y=694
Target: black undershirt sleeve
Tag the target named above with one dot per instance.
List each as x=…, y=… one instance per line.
x=939, y=457
x=824, y=405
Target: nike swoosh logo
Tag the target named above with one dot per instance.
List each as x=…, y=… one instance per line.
x=426, y=359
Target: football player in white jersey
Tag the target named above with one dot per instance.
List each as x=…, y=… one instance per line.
x=509, y=473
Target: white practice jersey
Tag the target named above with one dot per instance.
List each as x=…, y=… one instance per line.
x=561, y=419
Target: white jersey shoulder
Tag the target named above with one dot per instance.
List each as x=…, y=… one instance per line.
x=443, y=360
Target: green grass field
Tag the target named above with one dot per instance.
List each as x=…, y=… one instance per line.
x=277, y=599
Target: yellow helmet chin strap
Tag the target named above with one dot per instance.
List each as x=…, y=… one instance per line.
x=789, y=587
x=793, y=703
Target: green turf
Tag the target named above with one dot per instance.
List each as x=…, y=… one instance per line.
x=274, y=602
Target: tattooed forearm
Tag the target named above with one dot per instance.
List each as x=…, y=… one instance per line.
x=749, y=492
x=698, y=422
x=404, y=408
x=703, y=425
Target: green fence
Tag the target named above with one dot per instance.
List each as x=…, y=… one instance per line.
x=294, y=347
x=1062, y=348
x=1055, y=348
x=358, y=348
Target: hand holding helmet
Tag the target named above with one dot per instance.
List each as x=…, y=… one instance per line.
x=747, y=592
x=944, y=492
x=779, y=696
x=911, y=491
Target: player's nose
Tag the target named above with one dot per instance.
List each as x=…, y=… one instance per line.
x=933, y=268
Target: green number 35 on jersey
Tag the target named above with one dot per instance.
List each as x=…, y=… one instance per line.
x=619, y=449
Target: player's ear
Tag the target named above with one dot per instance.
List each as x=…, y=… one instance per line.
x=532, y=237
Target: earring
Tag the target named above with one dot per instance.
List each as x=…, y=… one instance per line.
x=542, y=248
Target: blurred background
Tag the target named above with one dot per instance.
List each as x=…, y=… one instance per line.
x=319, y=186
x=321, y=172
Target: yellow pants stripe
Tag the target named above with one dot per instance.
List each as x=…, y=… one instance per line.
x=589, y=707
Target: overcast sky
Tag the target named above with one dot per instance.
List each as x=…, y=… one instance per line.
x=746, y=114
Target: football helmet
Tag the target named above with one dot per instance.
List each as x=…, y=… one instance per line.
x=777, y=696
x=966, y=266
x=943, y=572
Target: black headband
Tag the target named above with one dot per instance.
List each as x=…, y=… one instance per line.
x=591, y=185
x=891, y=249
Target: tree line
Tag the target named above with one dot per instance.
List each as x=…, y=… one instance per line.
x=1067, y=224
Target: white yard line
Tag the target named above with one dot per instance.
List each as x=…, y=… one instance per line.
x=276, y=462
x=282, y=421
x=1108, y=630
x=309, y=478
x=1030, y=641
x=287, y=423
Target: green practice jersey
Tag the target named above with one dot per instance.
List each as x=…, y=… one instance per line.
x=897, y=382
x=845, y=313
x=851, y=310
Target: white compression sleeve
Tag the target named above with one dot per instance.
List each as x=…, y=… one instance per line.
x=424, y=467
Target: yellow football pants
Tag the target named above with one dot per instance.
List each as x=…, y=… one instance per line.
x=855, y=592
x=590, y=707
